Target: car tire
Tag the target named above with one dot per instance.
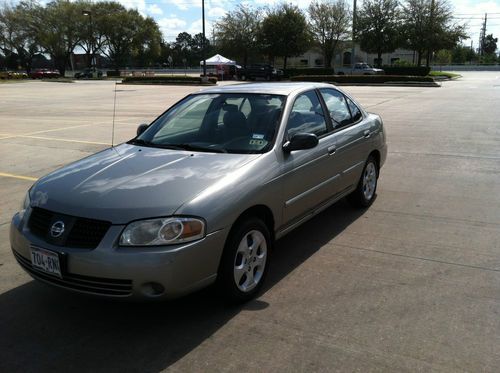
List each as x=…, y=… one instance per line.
x=244, y=264
x=366, y=190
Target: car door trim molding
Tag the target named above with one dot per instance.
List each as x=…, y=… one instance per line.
x=311, y=190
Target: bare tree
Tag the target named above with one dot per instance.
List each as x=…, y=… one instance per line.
x=330, y=25
x=237, y=32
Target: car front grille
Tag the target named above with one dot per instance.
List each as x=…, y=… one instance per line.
x=85, y=284
x=83, y=233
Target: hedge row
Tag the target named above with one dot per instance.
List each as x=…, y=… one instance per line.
x=184, y=80
x=367, y=79
x=407, y=70
x=308, y=71
x=113, y=73
x=389, y=70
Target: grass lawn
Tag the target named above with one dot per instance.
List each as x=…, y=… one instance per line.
x=445, y=74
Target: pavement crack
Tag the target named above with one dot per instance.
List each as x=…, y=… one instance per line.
x=420, y=258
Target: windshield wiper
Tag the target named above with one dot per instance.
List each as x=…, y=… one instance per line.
x=140, y=142
x=187, y=146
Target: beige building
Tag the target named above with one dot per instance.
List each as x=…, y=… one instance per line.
x=314, y=58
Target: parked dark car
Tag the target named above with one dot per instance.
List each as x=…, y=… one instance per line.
x=88, y=73
x=44, y=74
x=252, y=72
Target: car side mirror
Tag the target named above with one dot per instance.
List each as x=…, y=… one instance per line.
x=300, y=141
x=142, y=127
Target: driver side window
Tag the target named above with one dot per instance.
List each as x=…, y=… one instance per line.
x=306, y=116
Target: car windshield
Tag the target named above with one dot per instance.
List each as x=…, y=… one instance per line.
x=221, y=123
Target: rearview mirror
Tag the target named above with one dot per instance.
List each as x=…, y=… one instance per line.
x=142, y=128
x=300, y=141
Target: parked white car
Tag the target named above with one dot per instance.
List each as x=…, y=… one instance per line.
x=360, y=68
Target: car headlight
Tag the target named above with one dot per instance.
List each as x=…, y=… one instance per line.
x=162, y=231
x=25, y=204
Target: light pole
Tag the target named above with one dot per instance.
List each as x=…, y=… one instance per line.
x=353, y=50
x=88, y=13
x=203, y=49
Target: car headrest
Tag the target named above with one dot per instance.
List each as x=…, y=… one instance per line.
x=230, y=107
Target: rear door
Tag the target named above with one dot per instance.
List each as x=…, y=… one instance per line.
x=352, y=136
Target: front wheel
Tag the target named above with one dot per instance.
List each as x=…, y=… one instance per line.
x=245, y=260
x=365, y=192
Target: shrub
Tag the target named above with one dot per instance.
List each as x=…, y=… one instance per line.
x=378, y=79
x=407, y=70
x=179, y=79
x=113, y=73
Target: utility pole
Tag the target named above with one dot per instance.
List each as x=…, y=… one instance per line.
x=482, y=38
x=203, y=43
x=353, y=51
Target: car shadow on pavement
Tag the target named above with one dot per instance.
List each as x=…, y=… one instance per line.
x=46, y=329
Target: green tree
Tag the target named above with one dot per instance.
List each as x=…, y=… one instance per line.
x=124, y=41
x=490, y=44
x=329, y=22
x=17, y=39
x=58, y=29
x=462, y=54
x=429, y=27
x=284, y=32
x=237, y=31
x=443, y=57
x=378, y=27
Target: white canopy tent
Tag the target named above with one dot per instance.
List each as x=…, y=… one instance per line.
x=218, y=60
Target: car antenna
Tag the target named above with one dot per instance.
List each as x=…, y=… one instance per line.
x=114, y=114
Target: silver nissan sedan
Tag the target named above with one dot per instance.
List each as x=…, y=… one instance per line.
x=201, y=194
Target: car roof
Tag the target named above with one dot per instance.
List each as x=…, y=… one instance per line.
x=278, y=88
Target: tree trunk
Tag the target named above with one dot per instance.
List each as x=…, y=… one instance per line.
x=327, y=55
x=419, y=58
x=284, y=62
x=428, y=58
x=379, y=59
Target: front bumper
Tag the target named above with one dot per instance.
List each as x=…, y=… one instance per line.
x=162, y=272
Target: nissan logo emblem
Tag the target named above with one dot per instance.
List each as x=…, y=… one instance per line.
x=57, y=229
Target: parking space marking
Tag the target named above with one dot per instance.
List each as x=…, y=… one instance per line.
x=67, y=140
x=4, y=174
x=10, y=136
x=5, y=136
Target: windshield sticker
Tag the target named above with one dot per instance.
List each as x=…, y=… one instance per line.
x=258, y=142
x=257, y=136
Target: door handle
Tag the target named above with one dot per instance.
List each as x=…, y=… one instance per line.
x=366, y=134
x=332, y=150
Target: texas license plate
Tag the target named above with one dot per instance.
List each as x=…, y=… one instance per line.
x=46, y=261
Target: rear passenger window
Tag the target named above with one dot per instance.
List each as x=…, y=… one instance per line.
x=306, y=116
x=337, y=106
x=355, y=112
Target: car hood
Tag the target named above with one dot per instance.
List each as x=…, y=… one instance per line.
x=130, y=182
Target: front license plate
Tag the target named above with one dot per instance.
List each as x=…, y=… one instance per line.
x=45, y=261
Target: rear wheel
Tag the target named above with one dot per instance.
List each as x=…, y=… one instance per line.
x=365, y=192
x=244, y=262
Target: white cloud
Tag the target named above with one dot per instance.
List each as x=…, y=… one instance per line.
x=140, y=5
x=171, y=27
x=217, y=12
x=155, y=10
x=197, y=27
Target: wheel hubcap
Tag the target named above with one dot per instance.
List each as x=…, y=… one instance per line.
x=369, y=181
x=250, y=260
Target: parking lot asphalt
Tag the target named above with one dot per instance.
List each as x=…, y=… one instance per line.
x=411, y=284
